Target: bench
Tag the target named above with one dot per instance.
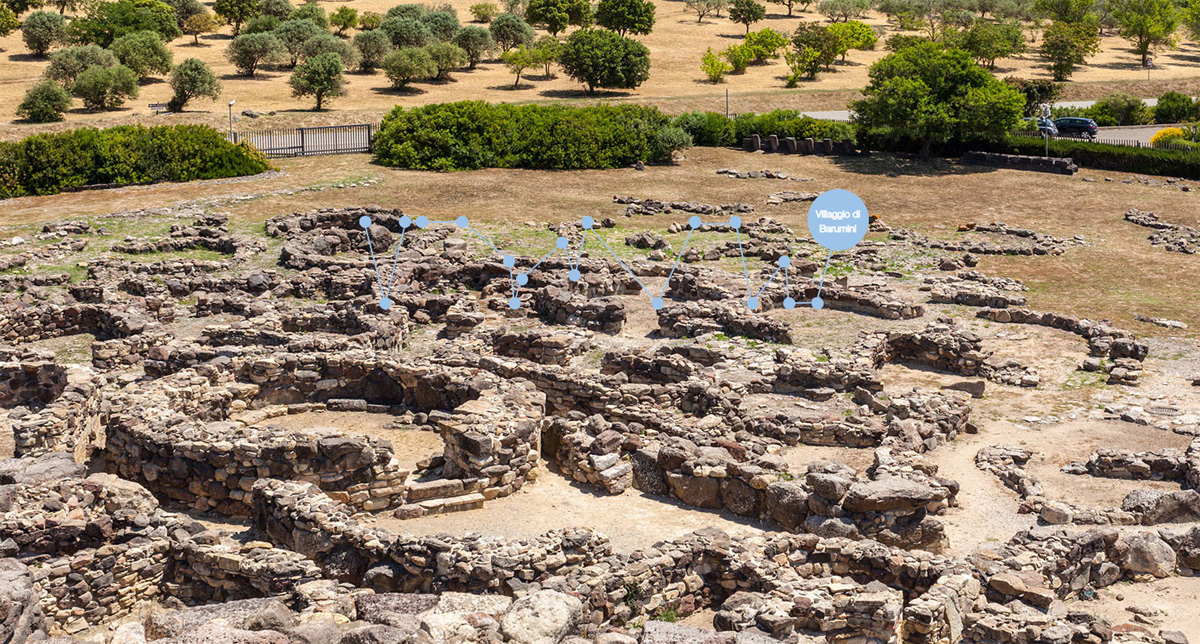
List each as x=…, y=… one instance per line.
x=158, y=107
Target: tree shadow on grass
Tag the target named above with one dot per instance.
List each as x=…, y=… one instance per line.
x=407, y=90
x=27, y=57
x=904, y=165
x=509, y=87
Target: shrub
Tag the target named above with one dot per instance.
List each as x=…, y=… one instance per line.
x=546, y=51
x=248, y=51
x=707, y=128
x=46, y=164
x=852, y=35
x=816, y=46
x=45, y=102
x=446, y=57
x=345, y=18
x=197, y=25
x=372, y=47
x=370, y=21
x=510, y=30
x=185, y=9
x=103, y=88
x=411, y=11
x=320, y=77
x=713, y=67
x=406, y=32
x=484, y=11
x=262, y=24
x=281, y=9
x=1121, y=109
x=311, y=11
x=785, y=123
x=476, y=42
x=104, y=22
x=8, y=21
x=403, y=66
x=1167, y=135
x=552, y=14
x=473, y=134
x=67, y=64
x=1174, y=107
x=902, y=41
x=442, y=24
x=600, y=58
x=1037, y=92
x=739, y=57
x=765, y=44
x=672, y=139
x=293, y=34
x=43, y=30
x=144, y=52
x=192, y=79
x=843, y=10
x=328, y=43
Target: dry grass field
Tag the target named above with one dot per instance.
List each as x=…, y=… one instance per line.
x=676, y=82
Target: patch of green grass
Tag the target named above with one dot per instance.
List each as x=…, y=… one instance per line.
x=1088, y=379
x=667, y=615
x=202, y=254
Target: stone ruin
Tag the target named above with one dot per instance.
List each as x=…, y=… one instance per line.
x=179, y=421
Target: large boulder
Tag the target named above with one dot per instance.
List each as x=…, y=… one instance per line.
x=1155, y=506
x=221, y=633
x=698, y=491
x=244, y=614
x=888, y=494
x=543, y=617
x=21, y=617
x=55, y=466
x=1148, y=554
x=787, y=504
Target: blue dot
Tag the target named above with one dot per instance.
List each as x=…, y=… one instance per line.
x=365, y=222
x=462, y=221
x=405, y=221
x=522, y=279
x=574, y=275
x=385, y=304
x=752, y=303
x=694, y=222
x=838, y=219
x=514, y=303
x=588, y=222
x=818, y=303
x=422, y=221
x=656, y=303
x=509, y=261
x=785, y=261
x=562, y=243
x=789, y=303
x=735, y=222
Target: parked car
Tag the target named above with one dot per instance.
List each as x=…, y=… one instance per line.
x=1044, y=126
x=1075, y=126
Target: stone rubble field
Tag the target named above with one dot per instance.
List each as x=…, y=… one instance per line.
x=158, y=492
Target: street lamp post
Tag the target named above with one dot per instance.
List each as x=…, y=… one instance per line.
x=231, y=118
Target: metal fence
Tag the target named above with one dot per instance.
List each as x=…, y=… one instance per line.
x=311, y=141
x=1132, y=143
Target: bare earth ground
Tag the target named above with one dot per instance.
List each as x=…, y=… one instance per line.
x=1173, y=601
x=676, y=82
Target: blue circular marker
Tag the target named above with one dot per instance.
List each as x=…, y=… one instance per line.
x=364, y=222
x=422, y=221
x=789, y=303
x=838, y=219
x=588, y=222
x=514, y=303
x=752, y=303
x=509, y=261
x=462, y=222
x=562, y=243
x=785, y=261
x=522, y=279
x=818, y=303
x=656, y=303
x=735, y=222
x=405, y=221
x=574, y=275
x=694, y=222
x=385, y=304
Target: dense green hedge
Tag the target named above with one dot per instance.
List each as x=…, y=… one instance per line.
x=467, y=135
x=1118, y=158
x=713, y=129
x=46, y=164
